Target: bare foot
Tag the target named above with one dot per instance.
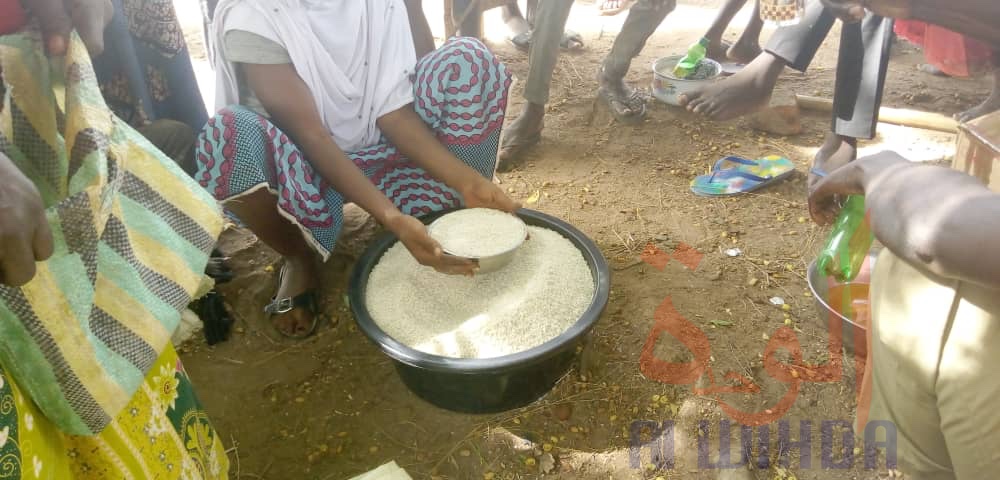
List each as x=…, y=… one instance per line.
x=836, y=152
x=523, y=133
x=745, y=92
x=990, y=105
x=298, y=276
x=744, y=51
x=626, y=103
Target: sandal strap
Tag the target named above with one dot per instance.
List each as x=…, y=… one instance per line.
x=279, y=306
x=635, y=100
x=636, y=97
x=732, y=159
x=726, y=174
x=817, y=171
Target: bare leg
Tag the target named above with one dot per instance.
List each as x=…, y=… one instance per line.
x=423, y=39
x=746, y=92
x=716, y=49
x=747, y=47
x=515, y=21
x=990, y=105
x=259, y=212
x=472, y=24
x=524, y=132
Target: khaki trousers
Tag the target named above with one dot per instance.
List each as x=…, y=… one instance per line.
x=934, y=346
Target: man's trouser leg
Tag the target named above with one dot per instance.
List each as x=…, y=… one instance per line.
x=935, y=345
x=550, y=22
x=861, y=69
x=643, y=19
x=797, y=44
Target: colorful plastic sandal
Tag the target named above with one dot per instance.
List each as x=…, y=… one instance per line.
x=742, y=177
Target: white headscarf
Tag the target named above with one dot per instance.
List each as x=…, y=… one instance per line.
x=356, y=57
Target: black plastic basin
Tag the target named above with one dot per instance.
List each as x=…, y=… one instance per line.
x=485, y=385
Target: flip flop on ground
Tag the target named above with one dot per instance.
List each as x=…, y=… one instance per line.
x=735, y=175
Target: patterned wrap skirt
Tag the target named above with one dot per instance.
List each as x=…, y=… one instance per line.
x=460, y=91
x=145, y=72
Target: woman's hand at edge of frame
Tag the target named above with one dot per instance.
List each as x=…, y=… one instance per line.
x=58, y=17
x=25, y=236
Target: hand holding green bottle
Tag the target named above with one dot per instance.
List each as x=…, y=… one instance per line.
x=849, y=241
x=839, y=199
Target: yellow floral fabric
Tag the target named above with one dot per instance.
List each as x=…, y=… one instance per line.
x=163, y=434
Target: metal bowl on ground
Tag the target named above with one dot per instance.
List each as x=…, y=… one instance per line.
x=491, y=263
x=844, y=305
x=485, y=385
x=667, y=88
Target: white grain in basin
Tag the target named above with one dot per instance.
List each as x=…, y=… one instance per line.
x=542, y=292
x=478, y=232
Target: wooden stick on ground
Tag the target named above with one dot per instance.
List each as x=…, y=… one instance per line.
x=896, y=116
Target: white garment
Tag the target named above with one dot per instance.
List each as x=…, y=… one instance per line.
x=356, y=57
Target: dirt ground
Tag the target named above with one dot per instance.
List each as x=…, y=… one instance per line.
x=332, y=406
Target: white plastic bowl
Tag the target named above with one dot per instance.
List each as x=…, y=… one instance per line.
x=667, y=89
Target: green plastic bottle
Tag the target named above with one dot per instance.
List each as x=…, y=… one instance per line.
x=849, y=242
x=689, y=64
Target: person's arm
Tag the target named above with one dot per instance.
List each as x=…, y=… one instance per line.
x=975, y=18
x=288, y=100
x=979, y=19
x=938, y=218
x=25, y=236
x=404, y=128
x=423, y=39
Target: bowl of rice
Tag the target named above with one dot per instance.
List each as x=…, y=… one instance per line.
x=491, y=342
x=488, y=236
